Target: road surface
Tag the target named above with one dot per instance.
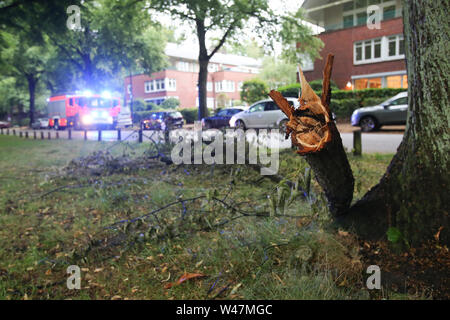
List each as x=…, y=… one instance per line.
x=371, y=142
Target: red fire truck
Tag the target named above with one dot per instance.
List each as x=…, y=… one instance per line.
x=83, y=111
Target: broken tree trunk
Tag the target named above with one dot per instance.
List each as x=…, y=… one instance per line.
x=315, y=134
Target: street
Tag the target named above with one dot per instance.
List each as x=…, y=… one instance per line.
x=371, y=143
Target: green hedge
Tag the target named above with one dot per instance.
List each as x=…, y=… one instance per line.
x=343, y=102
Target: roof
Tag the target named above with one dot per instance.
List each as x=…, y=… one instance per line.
x=190, y=53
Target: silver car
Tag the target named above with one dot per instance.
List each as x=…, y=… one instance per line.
x=391, y=112
x=262, y=114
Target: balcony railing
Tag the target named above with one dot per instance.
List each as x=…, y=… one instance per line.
x=361, y=22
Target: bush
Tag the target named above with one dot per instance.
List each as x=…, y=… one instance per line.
x=343, y=102
x=254, y=90
x=170, y=103
x=316, y=85
x=372, y=101
x=343, y=108
x=139, y=105
x=189, y=114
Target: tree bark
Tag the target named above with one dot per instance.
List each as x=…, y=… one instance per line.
x=203, y=60
x=314, y=132
x=413, y=195
x=32, y=81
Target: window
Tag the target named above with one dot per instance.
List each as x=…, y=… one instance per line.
x=147, y=86
x=387, y=81
x=360, y=4
x=380, y=49
x=129, y=88
x=396, y=46
x=172, y=84
x=400, y=101
x=368, y=50
x=388, y=12
x=240, y=86
x=348, y=6
x=394, y=82
x=219, y=86
x=374, y=83
x=212, y=67
x=358, y=49
x=257, y=108
x=361, y=18
x=355, y=12
x=156, y=85
x=209, y=86
x=183, y=66
x=225, y=86
x=348, y=21
x=270, y=106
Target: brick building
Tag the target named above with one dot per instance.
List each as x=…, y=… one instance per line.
x=226, y=73
x=363, y=57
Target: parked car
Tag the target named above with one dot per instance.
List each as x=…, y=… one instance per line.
x=41, y=123
x=163, y=120
x=391, y=112
x=4, y=124
x=262, y=114
x=221, y=119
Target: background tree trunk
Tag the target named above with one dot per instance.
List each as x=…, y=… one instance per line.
x=203, y=60
x=32, y=90
x=413, y=195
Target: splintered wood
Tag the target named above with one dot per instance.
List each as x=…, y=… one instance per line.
x=308, y=125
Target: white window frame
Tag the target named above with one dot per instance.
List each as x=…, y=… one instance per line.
x=209, y=86
x=156, y=85
x=171, y=84
x=384, y=42
x=147, y=85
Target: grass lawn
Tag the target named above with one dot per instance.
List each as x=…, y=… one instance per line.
x=239, y=237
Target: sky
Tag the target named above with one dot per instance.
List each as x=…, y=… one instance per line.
x=278, y=6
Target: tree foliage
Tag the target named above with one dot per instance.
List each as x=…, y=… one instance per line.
x=254, y=90
x=228, y=18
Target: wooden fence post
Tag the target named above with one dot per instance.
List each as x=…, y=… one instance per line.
x=42, y=135
x=20, y=134
x=57, y=135
x=70, y=134
x=14, y=132
x=26, y=134
x=119, y=135
x=49, y=135
x=357, y=145
x=85, y=135
x=34, y=135
x=99, y=135
x=140, y=136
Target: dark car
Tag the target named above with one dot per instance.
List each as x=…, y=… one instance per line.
x=163, y=120
x=221, y=119
x=4, y=124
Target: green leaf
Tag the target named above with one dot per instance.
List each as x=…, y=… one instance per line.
x=394, y=234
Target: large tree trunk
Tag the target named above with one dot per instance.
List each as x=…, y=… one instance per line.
x=413, y=195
